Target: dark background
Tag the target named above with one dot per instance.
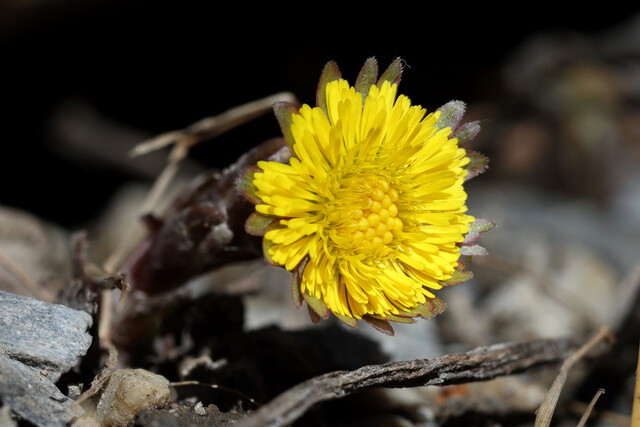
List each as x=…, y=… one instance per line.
x=152, y=67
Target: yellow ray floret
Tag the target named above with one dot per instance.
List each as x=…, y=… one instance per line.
x=372, y=199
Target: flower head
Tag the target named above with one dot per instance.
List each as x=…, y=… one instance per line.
x=369, y=213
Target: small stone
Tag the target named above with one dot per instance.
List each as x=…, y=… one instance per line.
x=200, y=409
x=130, y=391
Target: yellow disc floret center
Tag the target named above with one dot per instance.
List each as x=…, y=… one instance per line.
x=364, y=216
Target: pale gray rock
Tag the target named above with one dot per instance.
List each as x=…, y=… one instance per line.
x=39, y=342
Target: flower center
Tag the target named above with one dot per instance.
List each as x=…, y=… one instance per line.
x=364, y=216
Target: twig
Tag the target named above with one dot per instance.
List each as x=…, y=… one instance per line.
x=635, y=411
x=606, y=416
x=481, y=364
x=587, y=412
x=548, y=406
x=210, y=127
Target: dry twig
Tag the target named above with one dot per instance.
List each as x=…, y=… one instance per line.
x=609, y=417
x=546, y=410
x=587, y=412
x=481, y=364
x=210, y=127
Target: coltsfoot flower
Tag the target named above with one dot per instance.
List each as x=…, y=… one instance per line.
x=369, y=212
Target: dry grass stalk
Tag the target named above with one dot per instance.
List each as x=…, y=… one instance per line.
x=587, y=412
x=546, y=410
x=210, y=127
x=609, y=417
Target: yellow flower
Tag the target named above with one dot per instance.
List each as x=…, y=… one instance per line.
x=369, y=212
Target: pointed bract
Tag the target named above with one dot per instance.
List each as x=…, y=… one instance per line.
x=429, y=309
x=476, y=228
x=296, y=278
x=367, y=77
x=471, y=238
x=394, y=318
x=329, y=74
x=245, y=184
x=473, y=250
x=284, y=111
x=466, y=132
x=257, y=224
x=451, y=114
x=349, y=321
x=478, y=163
x=316, y=305
x=296, y=295
x=481, y=225
x=266, y=245
x=313, y=315
x=393, y=73
x=457, y=277
x=380, y=325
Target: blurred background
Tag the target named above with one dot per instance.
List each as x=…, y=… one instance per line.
x=557, y=92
